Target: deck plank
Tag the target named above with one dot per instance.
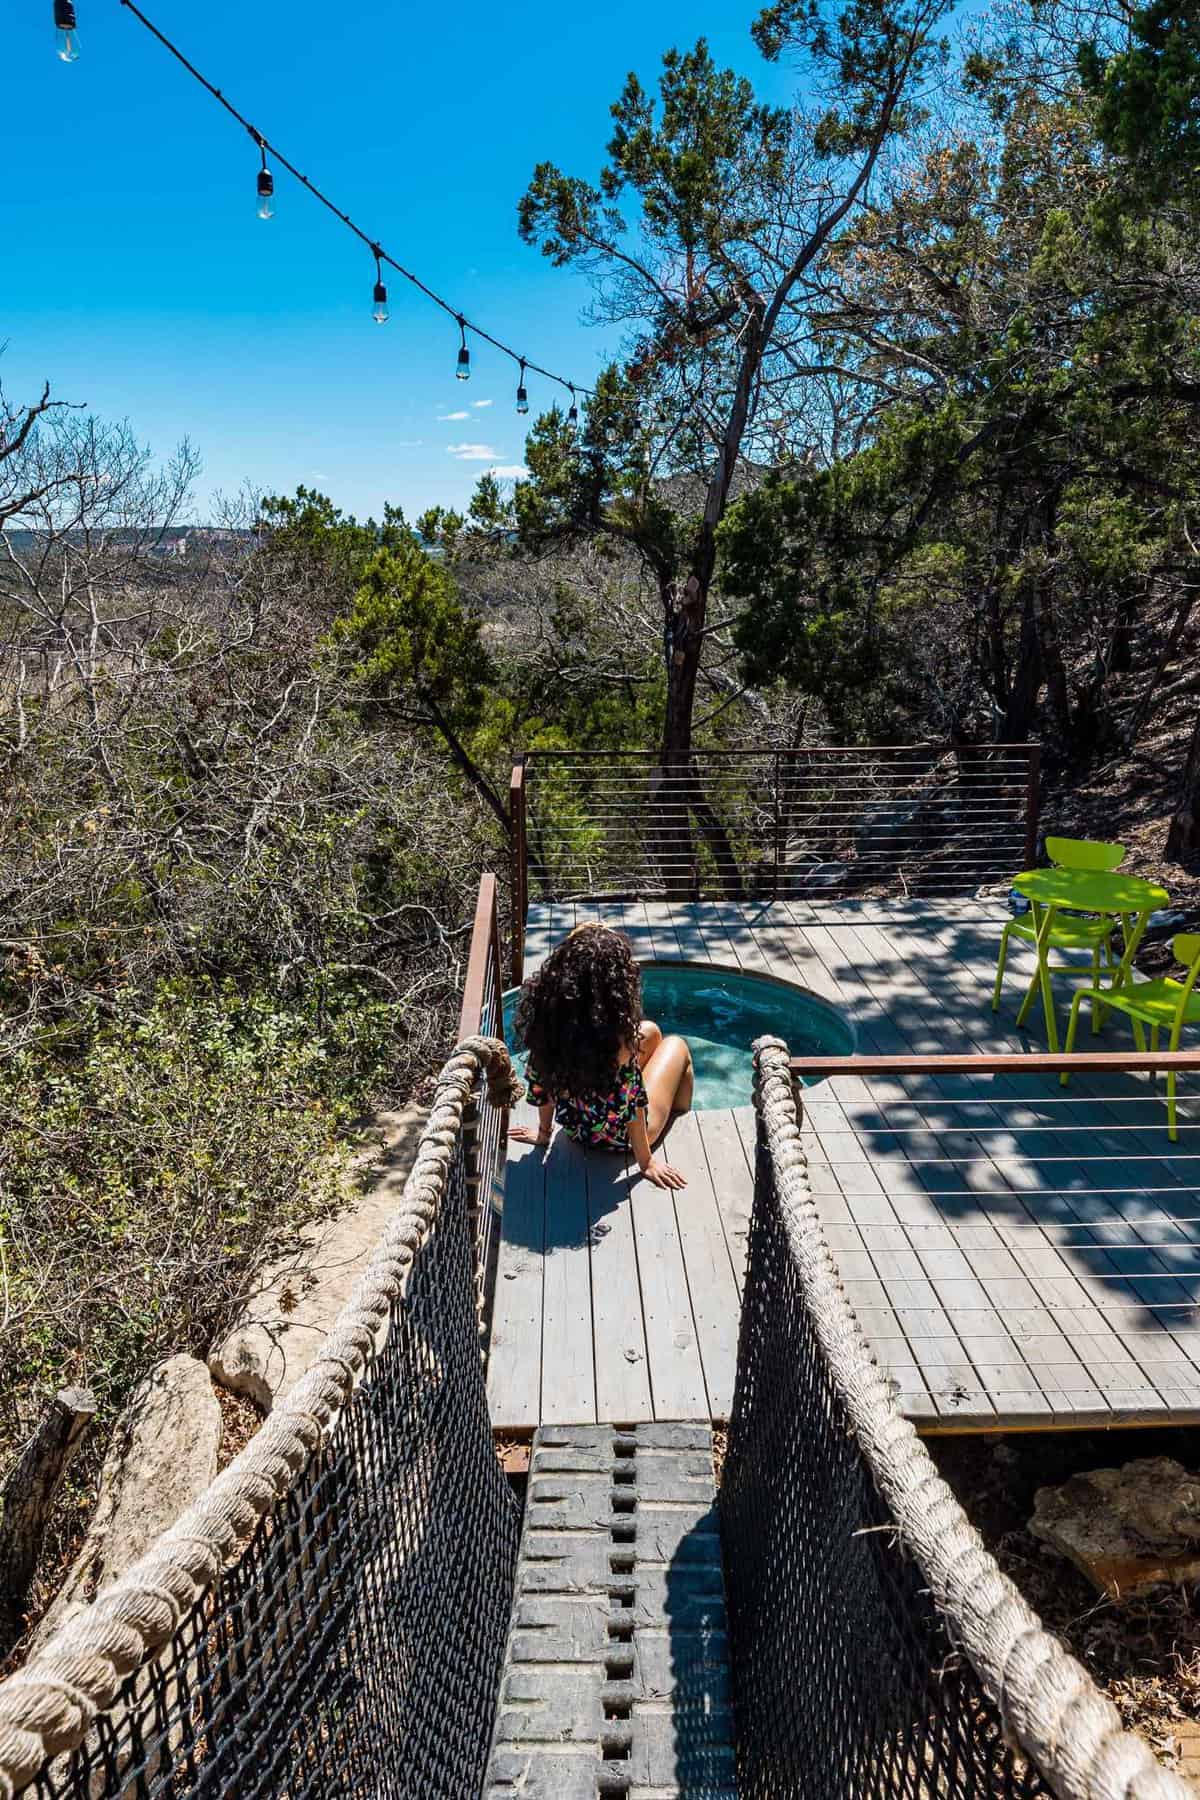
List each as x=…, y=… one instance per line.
x=618, y=1331
x=568, y=1364
x=676, y=1372
x=652, y=931
x=712, y=1286
x=732, y=1180
x=515, y=1357
x=541, y=934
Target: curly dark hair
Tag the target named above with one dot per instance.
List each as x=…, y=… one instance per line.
x=579, y=1009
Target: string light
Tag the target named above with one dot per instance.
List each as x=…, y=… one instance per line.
x=464, y=325
x=522, y=391
x=379, y=309
x=266, y=183
x=65, y=31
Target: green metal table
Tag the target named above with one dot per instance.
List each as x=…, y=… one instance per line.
x=1051, y=891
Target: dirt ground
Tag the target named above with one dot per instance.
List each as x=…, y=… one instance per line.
x=1144, y=1654
x=1130, y=801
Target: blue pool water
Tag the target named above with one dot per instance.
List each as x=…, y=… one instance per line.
x=720, y=1012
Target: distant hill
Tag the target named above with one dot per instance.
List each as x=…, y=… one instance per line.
x=179, y=540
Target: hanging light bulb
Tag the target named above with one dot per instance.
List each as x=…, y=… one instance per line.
x=65, y=31
x=266, y=186
x=522, y=391
x=463, y=370
x=379, y=310
x=573, y=415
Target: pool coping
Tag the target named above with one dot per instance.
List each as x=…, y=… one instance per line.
x=768, y=979
x=836, y=1015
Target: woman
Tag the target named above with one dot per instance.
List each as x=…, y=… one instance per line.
x=609, y=1076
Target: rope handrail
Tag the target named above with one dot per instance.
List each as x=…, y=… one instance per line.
x=48, y=1707
x=1050, y=1708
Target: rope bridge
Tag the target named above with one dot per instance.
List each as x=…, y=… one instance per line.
x=878, y=1650
x=330, y=1618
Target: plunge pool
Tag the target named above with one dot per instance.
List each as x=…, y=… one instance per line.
x=720, y=1012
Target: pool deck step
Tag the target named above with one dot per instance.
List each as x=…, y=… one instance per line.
x=616, y=1677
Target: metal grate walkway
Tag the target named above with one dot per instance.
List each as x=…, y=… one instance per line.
x=616, y=1678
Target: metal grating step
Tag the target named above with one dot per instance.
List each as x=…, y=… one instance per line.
x=616, y=1677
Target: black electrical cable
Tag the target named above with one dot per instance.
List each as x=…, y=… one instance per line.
x=372, y=244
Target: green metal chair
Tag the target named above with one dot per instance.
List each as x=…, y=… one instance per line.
x=1071, y=933
x=1153, y=1003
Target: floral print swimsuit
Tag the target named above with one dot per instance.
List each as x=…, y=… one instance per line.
x=599, y=1120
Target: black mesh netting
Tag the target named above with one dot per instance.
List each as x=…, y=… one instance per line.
x=356, y=1648
x=846, y=1685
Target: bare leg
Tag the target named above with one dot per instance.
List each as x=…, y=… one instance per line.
x=649, y=1038
x=667, y=1073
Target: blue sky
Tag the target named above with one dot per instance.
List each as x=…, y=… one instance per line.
x=138, y=280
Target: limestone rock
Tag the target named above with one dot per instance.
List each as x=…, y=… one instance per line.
x=162, y=1456
x=283, y=1326
x=1127, y=1529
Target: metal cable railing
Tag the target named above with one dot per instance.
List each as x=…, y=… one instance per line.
x=820, y=822
x=330, y=1617
x=878, y=1651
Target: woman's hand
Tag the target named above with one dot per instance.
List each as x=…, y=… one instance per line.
x=663, y=1175
x=526, y=1134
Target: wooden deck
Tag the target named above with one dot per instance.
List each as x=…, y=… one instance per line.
x=1019, y=1256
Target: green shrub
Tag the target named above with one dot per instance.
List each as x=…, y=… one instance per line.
x=144, y=1184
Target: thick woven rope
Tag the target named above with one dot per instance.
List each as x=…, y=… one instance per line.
x=1051, y=1709
x=47, y=1707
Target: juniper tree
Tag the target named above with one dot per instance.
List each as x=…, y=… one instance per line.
x=704, y=234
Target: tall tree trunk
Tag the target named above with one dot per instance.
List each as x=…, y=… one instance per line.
x=1026, y=678
x=682, y=790
x=685, y=615
x=685, y=612
x=674, y=848
x=1183, y=838
x=1119, y=660
x=1053, y=667
x=997, y=661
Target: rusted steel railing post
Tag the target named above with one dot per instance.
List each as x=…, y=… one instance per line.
x=471, y=1019
x=519, y=851
x=485, y=1126
x=778, y=827
x=1033, y=802
x=1002, y=1062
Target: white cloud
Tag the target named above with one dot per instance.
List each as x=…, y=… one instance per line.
x=452, y=418
x=509, y=471
x=472, y=452
x=478, y=403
